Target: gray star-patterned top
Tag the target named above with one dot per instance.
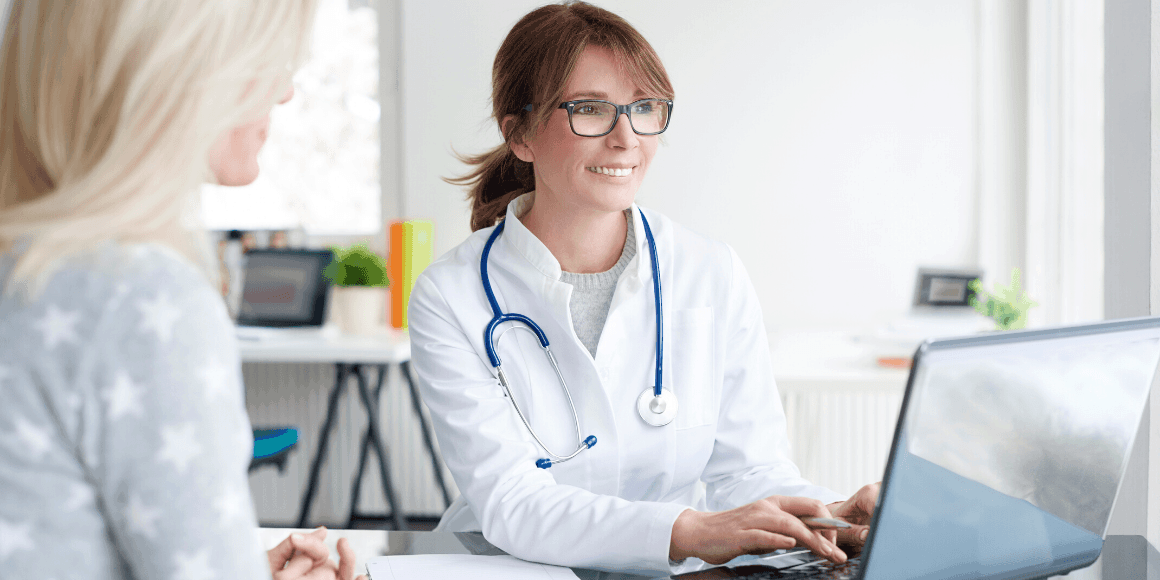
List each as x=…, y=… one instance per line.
x=124, y=439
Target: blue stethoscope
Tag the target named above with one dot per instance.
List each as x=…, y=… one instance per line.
x=656, y=405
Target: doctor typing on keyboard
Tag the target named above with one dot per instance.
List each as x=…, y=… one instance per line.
x=631, y=421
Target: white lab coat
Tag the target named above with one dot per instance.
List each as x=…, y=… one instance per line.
x=613, y=506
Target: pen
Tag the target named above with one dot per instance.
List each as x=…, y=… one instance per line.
x=825, y=523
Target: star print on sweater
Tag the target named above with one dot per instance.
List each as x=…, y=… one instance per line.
x=159, y=316
x=141, y=518
x=35, y=440
x=179, y=446
x=124, y=398
x=217, y=379
x=124, y=439
x=229, y=506
x=80, y=495
x=14, y=537
x=58, y=326
x=195, y=567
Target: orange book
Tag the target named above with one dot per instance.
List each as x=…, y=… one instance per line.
x=395, y=267
x=411, y=251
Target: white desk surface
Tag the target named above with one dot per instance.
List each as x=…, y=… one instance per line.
x=847, y=359
x=831, y=360
x=799, y=358
x=385, y=346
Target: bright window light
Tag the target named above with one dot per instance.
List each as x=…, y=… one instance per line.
x=320, y=165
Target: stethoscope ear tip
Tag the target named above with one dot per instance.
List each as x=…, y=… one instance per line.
x=543, y=463
x=590, y=441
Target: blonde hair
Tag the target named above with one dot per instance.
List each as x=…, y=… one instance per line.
x=109, y=109
x=532, y=67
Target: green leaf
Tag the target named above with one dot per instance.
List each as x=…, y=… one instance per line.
x=356, y=265
x=1007, y=305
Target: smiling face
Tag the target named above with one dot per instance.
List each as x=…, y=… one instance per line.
x=591, y=174
x=234, y=157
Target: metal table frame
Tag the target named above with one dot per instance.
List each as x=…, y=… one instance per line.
x=372, y=437
x=351, y=356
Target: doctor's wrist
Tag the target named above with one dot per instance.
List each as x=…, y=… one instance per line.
x=685, y=532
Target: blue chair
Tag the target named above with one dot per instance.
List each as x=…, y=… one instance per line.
x=273, y=446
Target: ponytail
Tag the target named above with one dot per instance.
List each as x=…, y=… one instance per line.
x=499, y=178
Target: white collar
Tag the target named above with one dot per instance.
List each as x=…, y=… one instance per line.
x=525, y=243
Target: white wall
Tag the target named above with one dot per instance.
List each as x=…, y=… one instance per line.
x=858, y=168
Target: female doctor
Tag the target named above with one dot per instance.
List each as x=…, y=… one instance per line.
x=606, y=473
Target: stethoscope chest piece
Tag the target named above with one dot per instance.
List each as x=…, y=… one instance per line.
x=657, y=410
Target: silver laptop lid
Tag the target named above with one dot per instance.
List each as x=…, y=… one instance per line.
x=1009, y=451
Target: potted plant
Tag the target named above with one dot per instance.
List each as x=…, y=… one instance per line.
x=360, y=277
x=1007, y=306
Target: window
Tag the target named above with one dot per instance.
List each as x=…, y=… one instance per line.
x=320, y=164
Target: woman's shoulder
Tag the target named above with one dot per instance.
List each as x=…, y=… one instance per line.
x=127, y=269
x=84, y=290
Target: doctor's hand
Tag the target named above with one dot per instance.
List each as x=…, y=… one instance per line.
x=757, y=528
x=856, y=510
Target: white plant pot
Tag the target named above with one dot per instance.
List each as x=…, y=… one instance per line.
x=360, y=309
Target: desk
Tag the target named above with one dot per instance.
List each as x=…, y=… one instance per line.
x=1123, y=557
x=352, y=356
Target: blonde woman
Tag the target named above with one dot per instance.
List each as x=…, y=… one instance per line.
x=124, y=440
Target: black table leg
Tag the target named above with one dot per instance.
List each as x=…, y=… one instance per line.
x=364, y=449
x=323, y=440
x=435, y=463
x=380, y=448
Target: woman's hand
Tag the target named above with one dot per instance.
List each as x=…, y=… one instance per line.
x=757, y=528
x=306, y=557
x=346, y=561
x=856, y=510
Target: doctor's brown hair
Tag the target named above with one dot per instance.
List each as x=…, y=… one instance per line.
x=532, y=67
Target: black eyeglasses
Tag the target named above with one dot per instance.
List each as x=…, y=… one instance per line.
x=592, y=118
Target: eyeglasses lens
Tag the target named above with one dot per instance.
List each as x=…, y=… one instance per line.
x=593, y=118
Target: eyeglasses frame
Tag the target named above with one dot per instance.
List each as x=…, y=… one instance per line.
x=620, y=109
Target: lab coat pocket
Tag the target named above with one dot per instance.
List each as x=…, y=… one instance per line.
x=692, y=367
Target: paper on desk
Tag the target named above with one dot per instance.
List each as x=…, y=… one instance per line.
x=461, y=566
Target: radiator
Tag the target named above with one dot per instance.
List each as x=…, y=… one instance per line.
x=295, y=395
x=841, y=439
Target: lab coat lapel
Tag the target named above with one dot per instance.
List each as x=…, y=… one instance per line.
x=534, y=275
x=631, y=349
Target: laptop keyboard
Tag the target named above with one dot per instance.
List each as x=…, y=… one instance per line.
x=819, y=569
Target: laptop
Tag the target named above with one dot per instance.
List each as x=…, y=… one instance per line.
x=1007, y=457
x=284, y=290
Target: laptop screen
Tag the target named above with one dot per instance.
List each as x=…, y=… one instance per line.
x=1010, y=451
x=284, y=288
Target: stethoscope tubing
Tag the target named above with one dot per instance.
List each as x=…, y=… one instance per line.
x=656, y=274
x=499, y=317
x=575, y=416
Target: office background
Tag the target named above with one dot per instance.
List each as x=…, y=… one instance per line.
x=839, y=145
